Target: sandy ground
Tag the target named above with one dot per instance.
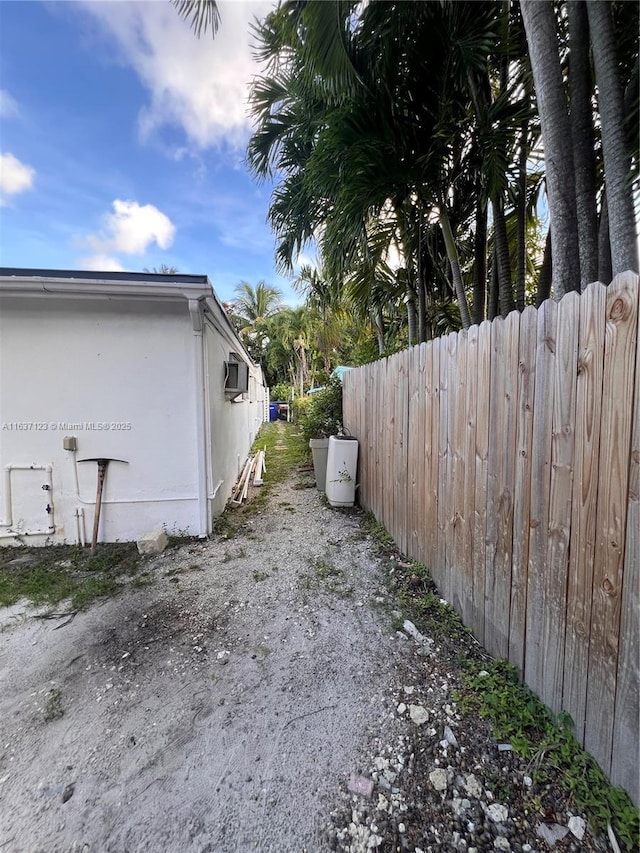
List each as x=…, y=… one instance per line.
x=221, y=708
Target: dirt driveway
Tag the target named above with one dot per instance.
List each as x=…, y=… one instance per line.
x=218, y=709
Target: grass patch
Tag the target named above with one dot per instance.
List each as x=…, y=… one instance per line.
x=281, y=463
x=234, y=555
x=324, y=575
x=260, y=576
x=53, y=709
x=494, y=691
x=49, y=575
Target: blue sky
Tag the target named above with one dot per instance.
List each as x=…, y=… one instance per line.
x=122, y=140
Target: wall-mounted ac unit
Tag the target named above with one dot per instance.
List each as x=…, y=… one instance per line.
x=236, y=378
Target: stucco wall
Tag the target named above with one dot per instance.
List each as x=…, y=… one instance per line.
x=232, y=425
x=89, y=361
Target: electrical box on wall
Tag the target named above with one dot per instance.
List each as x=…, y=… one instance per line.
x=236, y=378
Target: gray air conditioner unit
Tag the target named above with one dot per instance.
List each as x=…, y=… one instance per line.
x=236, y=378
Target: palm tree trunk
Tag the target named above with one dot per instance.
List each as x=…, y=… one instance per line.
x=521, y=213
x=452, y=255
x=583, y=140
x=410, y=298
x=617, y=163
x=501, y=240
x=422, y=308
x=605, y=268
x=546, y=272
x=540, y=28
x=494, y=290
x=480, y=260
x=378, y=323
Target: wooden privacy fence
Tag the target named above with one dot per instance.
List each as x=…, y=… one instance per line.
x=506, y=458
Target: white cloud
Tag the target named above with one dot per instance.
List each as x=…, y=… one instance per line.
x=8, y=106
x=131, y=229
x=200, y=85
x=100, y=263
x=15, y=177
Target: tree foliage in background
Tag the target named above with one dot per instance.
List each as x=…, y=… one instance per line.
x=415, y=144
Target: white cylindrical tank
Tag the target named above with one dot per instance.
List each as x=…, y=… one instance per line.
x=342, y=462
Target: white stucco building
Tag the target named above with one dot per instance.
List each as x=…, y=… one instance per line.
x=137, y=367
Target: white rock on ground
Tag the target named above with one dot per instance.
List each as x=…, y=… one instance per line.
x=497, y=812
x=418, y=714
x=438, y=779
x=152, y=542
x=577, y=827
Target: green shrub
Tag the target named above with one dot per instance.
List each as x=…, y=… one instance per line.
x=281, y=393
x=320, y=415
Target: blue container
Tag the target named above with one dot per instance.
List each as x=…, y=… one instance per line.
x=273, y=411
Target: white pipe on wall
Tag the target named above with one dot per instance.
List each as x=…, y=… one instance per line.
x=7, y=520
x=197, y=321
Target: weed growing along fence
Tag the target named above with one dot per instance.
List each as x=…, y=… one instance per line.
x=507, y=459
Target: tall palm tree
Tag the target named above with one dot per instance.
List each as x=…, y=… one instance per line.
x=251, y=309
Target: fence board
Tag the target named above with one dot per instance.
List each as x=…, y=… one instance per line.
x=522, y=492
x=615, y=444
x=432, y=372
x=465, y=568
x=540, y=483
x=583, y=519
x=457, y=431
x=624, y=759
x=401, y=468
x=442, y=493
x=561, y=484
x=483, y=377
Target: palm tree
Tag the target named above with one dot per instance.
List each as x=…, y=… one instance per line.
x=163, y=269
x=251, y=309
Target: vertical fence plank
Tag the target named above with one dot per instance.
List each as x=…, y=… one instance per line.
x=422, y=416
x=401, y=468
x=442, y=493
x=583, y=510
x=540, y=483
x=624, y=763
x=503, y=384
x=457, y=432
x=364, y=431
x=378, y=447
x=483, y=377
x=559, y=520
x=452, y=460
x=431, y=369
x=416, y=453
x=615, y=444
x=497, y=426
x=469, y=426
x=389, y=420
x=522, y=491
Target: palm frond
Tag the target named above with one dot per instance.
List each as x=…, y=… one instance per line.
x=201, y=15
